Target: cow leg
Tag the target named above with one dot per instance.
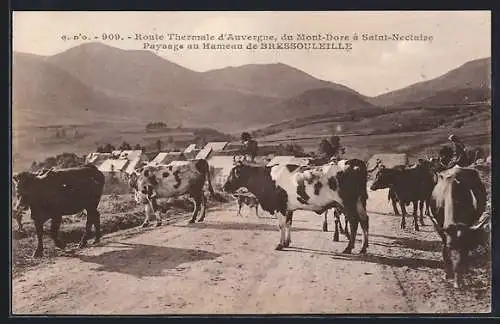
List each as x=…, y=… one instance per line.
x=39, y=236
x=342, y=229
x=337, y=225
x=19, y=220
x=95, y=218
x=346, y=231
x=448, y=269
x=203, y=204
x=239, y=208
x=395, y=207
x=325, y=222
x=403, y=214
x=415, y=214
x=353, y=222
x=363, y=220
x=281, y=225
x=421, y=207
x=427, y=207
x=88, y=230
x=196, y=201
x=147, y=212
x=54, y=230
x=458, y=261
x=156, y=211
x=288, y=229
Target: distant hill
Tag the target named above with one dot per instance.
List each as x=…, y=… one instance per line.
x=134, y=73
x=272, y=80
x=322, y=101
x=44, y=94
x=229, y=98
x=475, y=75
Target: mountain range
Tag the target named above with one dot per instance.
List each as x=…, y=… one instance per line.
x=96, y=82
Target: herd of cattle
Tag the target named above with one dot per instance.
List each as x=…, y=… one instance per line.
x=454, y=199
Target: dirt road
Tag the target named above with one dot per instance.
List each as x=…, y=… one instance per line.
x=228, y=265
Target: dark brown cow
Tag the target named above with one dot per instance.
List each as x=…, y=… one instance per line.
x=283, y=189
x=458, y=202
x=408, y=185
x=58, y=193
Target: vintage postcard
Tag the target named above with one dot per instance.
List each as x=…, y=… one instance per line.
x=161, y=161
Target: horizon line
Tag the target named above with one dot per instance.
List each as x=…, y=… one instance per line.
x=248, y=64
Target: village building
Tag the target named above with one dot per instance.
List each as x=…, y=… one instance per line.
x=220, y=167
x=191, y=151
x=164, y=158
x=211, y=148
x=96, y=158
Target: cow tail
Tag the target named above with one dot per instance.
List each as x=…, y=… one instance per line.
x=209, y=181
x=364, y=170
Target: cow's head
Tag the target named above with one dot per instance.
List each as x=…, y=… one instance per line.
x=144, y=183
x=238, y=177
x=23, y=183
x=383, y=178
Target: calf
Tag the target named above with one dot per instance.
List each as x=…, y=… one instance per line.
x=284, y=189
x=249, y=200
x=58, y=193
x=165, y=181
x=457, y=205
x=408, y=185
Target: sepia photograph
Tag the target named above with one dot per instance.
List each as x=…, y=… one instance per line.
x=161, y=160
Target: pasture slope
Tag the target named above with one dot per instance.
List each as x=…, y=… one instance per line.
x=228, y=265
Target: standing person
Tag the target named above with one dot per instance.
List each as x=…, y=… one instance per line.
x=337, y=149
x=329, y=150
x=250, y=147
x=458, y=150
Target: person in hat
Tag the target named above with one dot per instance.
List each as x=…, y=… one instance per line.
x=458, y=150
x=250, y=147
x=329, y=150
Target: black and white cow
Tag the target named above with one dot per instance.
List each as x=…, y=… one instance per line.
x=165, y=181
x=283, y=189
x=458, y=204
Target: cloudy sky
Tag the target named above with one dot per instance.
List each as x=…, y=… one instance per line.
x=371, y=67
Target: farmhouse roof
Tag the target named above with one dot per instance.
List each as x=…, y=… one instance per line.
x=203, y=153
x=95, y=157
x=190, y=148
x=167, y=157
x=130, y=154
x=132, y=165
x=209, y=148
x=116, y=165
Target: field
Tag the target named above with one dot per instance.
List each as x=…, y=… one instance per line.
x=371, y=135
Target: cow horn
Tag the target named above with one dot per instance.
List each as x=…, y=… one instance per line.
x=480, y=222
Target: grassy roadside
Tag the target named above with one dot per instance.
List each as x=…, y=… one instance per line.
x=118, y=212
